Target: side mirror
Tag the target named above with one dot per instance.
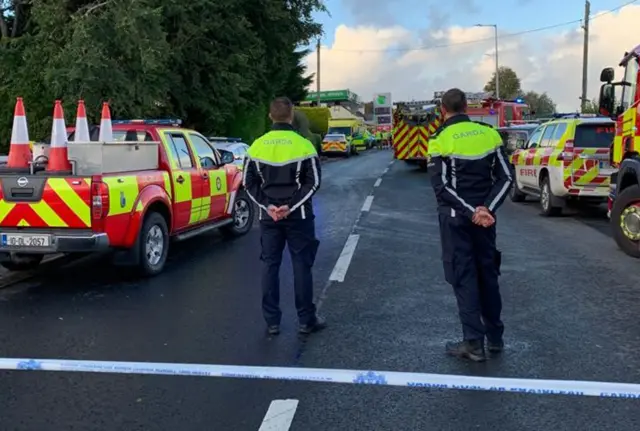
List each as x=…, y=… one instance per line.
x=606, y=100
x=207, y=163
x=607, y=74
x=226, y=157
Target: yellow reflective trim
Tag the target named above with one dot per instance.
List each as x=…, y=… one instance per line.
x=205, y=208
x=167, y=183
x=183, y=190
x=66, y=193
x=139, y=207
x=214, y=175
x=196, y=205
x=23, y=222
x=5, y=208
x=47, y=214
x=123, y=192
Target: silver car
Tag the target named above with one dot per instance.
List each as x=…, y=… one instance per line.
x=233, y=145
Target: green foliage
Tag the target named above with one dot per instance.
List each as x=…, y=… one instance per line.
x=591, y=107
x=540, y=105
x=318, y=118
x=214, y=64
x=510, y=85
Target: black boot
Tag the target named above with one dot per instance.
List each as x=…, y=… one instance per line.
x=467, y=349
x=319, y=323
x=495, y=346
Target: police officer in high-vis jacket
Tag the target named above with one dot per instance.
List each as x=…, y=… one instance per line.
x=281, y=174
x=471, y=178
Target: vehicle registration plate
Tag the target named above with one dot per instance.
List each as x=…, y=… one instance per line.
x=25, y=240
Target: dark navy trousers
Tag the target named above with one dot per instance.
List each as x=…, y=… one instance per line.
x=472, y=266
x=300, y=236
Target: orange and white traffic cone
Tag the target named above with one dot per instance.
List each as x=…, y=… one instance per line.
x=106, y=129
x=58, y=157
x=81, y=133
x=19, y=151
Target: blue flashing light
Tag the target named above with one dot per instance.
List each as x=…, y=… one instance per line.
x=519, y=100
x=175, y=122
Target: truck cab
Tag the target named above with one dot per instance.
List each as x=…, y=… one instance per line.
x=620, y=101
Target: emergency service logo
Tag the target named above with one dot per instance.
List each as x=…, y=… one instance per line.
x=218, y=183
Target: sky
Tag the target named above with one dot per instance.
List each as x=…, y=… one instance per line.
x=412, y=48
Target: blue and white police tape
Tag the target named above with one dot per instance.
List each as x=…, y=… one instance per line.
x=391, y=378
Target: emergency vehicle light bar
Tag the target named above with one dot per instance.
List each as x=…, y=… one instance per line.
x=158, y=122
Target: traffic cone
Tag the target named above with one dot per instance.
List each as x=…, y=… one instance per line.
x=58, y=157
x=106, y=131
x=82, y=126
x=19, y=151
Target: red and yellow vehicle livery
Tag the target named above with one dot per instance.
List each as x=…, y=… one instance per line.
x=413, y=124
x=621, y=101
x=186, y=188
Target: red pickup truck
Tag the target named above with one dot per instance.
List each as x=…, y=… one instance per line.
x=155, y=182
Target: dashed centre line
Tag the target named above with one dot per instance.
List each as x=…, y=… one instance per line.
x=279, y=416
x=367, y=203
x=378, y=182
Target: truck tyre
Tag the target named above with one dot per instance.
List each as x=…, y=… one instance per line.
x=625, y=221
x=243, y=216
x=23, y=262
x=546, y=199
x=515, y=194
x=153, y=244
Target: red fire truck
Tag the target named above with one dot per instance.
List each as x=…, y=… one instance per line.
x=498, y=113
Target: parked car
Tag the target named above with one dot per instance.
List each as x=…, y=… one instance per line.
x=234, y=145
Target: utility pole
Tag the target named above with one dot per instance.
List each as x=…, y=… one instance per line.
x=318, y=73
x=585, y=55
x=495, y=27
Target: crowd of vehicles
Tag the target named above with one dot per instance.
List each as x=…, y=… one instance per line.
x=355, y=131
x=128, y=186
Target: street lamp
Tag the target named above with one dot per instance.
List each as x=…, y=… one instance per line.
x=495, y=28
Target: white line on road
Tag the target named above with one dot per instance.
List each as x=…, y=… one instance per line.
x=367, y=203
x=385, y=171
x=378, y=181
x=342, y=265
x=279, y=416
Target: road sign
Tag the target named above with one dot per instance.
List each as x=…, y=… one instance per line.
x=382, y=108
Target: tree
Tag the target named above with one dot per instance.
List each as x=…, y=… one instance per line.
x=540, y=104
x=591, y=107
x=216, y=65
x=510, y=86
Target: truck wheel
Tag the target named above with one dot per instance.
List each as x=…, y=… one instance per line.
x=23, y=262
x=625, y=221
x=243, y=216
x=154, y=244
x=515, y=194
x=546, y=198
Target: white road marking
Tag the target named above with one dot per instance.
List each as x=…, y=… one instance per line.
x=378, y=181
x=385, y=171
x=367, y=203
x=279, y=416
x=342, y=265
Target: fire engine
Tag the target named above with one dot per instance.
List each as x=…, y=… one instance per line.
x=621, y=100
x=483, y=107
x=413, y=123
x=143, y=183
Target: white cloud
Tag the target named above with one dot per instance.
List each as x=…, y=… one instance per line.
x=357, y=60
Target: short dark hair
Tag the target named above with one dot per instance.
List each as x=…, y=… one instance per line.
x=454, y=101
x=281, y=109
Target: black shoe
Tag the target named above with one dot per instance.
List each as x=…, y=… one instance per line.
x=273, y=329
x=467, y=349
x=495, y=346
x=318, y=325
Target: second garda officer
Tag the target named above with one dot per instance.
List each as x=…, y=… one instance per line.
x=281, y=174
x=471, y=178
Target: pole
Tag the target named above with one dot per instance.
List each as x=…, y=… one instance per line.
x=495, y=27
x=318, y=74
x=585, y=55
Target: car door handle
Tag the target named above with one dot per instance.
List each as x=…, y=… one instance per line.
x=180, y=179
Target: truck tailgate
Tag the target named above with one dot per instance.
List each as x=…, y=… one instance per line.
x=40, y=201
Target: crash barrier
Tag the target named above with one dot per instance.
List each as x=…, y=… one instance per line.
x=358, y=377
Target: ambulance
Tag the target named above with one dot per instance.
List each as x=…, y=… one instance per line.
x=565, y=160
x=149, y=183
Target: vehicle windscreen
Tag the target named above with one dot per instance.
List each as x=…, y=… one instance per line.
x=594, y=135
x=334, y=138
x=489, y=119
x=339, y=131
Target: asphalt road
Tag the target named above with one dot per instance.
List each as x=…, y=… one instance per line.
x=570, y=313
